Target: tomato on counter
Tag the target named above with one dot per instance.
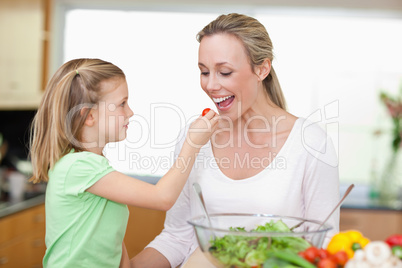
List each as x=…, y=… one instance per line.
x=322, y=258
x=395, y=242
x=327, y=263
x=341, y=257
x=311, y=254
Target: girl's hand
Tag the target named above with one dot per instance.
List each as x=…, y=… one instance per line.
x=202, y=129
x=205, y=111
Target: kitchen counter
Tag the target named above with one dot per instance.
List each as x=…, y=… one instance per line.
x=358, y=199
x=34, y=199
x=198, y=259
x=9, y=208
x=358, y=212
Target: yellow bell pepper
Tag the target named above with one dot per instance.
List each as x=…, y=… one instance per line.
x=348, y=241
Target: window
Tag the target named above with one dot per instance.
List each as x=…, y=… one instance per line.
x=158, y=52
x=329, y=64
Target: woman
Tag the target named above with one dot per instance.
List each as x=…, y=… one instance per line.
x=262, y=159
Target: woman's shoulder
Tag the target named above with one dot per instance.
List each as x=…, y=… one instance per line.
x=311, y=131
x=317, y=142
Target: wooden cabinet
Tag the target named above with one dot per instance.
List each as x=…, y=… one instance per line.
x=22, y=238
x=143, y=226
x=22, y=31
x=22, y=235
x=372, y=223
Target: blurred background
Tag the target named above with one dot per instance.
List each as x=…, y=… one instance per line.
x=333, y=59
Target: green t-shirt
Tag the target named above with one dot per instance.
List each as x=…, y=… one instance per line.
x=82, y=229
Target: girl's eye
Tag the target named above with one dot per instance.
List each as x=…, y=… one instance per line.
x=204, y=73
x=123, y=103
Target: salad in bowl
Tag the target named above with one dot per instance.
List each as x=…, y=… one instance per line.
x=254, y=240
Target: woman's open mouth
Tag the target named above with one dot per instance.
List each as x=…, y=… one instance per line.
x=224, y=102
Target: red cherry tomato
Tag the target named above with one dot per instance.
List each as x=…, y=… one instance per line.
x=326, y=263
x=206, y=110
x=340, y=257
x=301, y=254
x=311, y=254
x=323, y=253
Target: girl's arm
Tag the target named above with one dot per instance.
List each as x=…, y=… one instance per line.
x=171, y=246
x=125, y=261
x=123, y=189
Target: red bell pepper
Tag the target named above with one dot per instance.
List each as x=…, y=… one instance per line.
x=394, y=240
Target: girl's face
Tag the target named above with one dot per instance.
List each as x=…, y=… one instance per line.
x=114, y=112
x=226, y=74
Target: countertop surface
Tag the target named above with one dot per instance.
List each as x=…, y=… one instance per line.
x=8, y=208
x=358, y=199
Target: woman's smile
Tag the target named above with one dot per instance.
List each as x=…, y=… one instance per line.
x=227, y=76
x=223, y=103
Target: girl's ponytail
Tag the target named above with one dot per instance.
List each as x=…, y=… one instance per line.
x=56, y=128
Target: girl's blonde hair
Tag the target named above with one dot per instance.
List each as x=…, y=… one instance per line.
x=256, y=42
x=56, y=128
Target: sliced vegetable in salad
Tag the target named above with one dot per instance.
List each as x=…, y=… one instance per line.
x=243, y=251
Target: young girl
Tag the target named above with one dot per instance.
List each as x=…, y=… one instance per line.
x=83, y=108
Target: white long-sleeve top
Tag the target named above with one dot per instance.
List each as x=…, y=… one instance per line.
x=301, y=181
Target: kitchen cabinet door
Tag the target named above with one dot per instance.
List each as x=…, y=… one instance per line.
x=143, y=226
x=21, y=53
x=22, y=238
x=372, y=223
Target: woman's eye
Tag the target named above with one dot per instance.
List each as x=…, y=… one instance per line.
x=204, y=73
x=226, y=74
x=123, y=103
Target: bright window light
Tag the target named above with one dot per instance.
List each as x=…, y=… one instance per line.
x=330, y=66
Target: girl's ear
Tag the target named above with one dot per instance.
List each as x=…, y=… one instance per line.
x=90, y=118
x=263, y=70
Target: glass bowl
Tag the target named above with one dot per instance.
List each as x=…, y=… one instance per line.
x=245, y=240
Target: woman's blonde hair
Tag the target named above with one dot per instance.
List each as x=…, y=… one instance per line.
x=256, y=42
x=56, y=128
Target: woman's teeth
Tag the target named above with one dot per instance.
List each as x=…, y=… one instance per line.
x=218, y=100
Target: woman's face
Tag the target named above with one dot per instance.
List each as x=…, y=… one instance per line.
x=226, y=74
